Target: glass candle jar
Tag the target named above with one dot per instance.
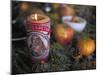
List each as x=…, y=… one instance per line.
x=38, y=36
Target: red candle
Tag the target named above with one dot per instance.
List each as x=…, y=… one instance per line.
x=38, y=31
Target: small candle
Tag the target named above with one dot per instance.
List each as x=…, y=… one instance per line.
x=38, y=28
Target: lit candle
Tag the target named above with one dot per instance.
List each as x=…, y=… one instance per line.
x=38, y=28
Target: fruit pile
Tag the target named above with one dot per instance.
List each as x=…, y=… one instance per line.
x=64, y=33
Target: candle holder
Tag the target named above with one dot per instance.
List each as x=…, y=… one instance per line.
x=38, y=36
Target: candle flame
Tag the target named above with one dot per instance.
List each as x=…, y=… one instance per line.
x=35, y=17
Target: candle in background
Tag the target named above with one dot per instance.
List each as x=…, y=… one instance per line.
x=38, y=31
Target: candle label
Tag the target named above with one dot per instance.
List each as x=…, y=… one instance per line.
x=38, y=44
x=38, y=40
x=38, y=27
